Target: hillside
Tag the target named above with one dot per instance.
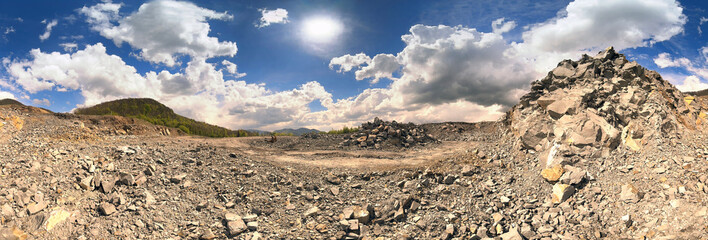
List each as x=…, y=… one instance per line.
x=295, y=132
x=702, y=93
x=8, y=101
x=157, y=113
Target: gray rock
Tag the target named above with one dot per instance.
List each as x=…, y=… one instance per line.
x=572, y=175
x=106, y=208
x=127, y=179
x=630, y=194
x=311, y=212
x=513, y=234
x=253, y=226
x=236, y=227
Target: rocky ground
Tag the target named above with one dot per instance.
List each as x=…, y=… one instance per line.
x=63, y=177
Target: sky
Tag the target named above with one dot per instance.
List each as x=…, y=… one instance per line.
x=328, y=64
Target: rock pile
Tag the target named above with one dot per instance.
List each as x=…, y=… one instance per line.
x=374, y=134
x=589, y=107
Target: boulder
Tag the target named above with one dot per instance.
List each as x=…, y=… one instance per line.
x=561, y=192
x=552, y=174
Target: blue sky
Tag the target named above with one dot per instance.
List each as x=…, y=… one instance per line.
x=274, y=64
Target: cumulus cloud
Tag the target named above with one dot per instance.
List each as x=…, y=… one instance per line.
x=232, y=69
x=500, y=26
x=48, y=30
x=664, y=60
x=269, y=17
x=456, y=73
x=348, y=62
x=43, y=101
x=4, y=95
x=69, y=47
x=381, y=66
x=692, y=84
x=704, y=53
x=101, y=15
x=98, y=75
x=200, y=91
x=183, y=30
x=592, y=25
x=700, y=25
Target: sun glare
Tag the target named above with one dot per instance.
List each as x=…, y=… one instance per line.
x=321, y=29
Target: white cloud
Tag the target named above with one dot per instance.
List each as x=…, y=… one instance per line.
x=101, y=15
x=4, y=95
x=381, y=66
x=692, y=84
x=200, y=91
x=43, y=101
x=500, y=26
x=9, y=30
x=269, y=17
x=591, y=25
x=98, y=75
x=704, y=53
x=182, y=30
x=447, y=74
x=48, y=30
x=69, y=47
x=664, y=60
x=233, y=69
x=347, y=62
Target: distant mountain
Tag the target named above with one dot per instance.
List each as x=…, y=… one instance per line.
x=296, y=132
x=260, y=132
x=8, y=101
x=157, y=113
x=19, y=105
x=701, y=93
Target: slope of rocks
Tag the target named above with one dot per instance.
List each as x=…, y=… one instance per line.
x=589, y=107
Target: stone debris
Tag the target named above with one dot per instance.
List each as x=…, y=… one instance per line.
x=630, y=194
x=375, y=134
x=573, y=175
x=552, y=174
x=36, y=207
x=56, y=217
x=236, y=226
x=561, y=192
x=311, y=212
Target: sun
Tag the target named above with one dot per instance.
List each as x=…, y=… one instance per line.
x=321, y=30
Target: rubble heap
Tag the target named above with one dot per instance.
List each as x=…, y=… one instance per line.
x=589, y=107
x=374, y=134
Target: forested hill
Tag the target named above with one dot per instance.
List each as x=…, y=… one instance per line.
x=157, y=113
